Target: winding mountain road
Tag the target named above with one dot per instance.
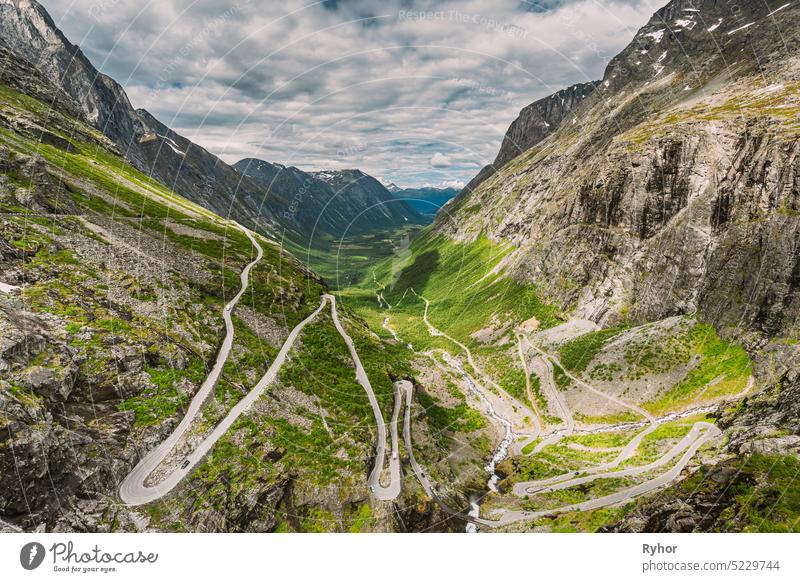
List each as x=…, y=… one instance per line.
x=533, y=418
x=700, y=434
x=709, y=433
x=392, y=490
x=133, y=490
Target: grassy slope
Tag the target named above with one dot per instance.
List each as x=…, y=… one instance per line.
x=717, y=367
x=449, y=275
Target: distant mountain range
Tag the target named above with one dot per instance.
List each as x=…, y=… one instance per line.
x=336, y=202
x=426, y=200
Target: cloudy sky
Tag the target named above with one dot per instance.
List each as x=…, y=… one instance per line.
x=412, y=91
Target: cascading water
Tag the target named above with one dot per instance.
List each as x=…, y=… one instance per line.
x=502, y=449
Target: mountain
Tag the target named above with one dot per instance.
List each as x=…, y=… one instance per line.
x=634, y=209
x=28, y=30
x=148, y=144
x=182, y=165
x=331, y=203
x=427, y=200
x=392, y=187
x=363, y=193
x=534, y=123
x=609, y=314
x=668, y=193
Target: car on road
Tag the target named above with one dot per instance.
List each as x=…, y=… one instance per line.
x=185, y=463
x=394, y=455
x=372, y=488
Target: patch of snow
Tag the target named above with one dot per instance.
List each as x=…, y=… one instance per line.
x=173, y=146
x=779, y=9
x=715, y=27
x=6, y=288
x=687, y=24
x=658, y=66
x=657, y=35
x=770, y=89
x=735, y=30
x=691, y=10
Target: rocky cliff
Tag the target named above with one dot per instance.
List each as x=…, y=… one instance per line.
x=149, y=145
x=664, y=191
x=674, y=188
x=534, y=123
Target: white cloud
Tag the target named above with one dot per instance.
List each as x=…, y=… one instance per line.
x=458, y=184
x=297, y=83
x=439, y=160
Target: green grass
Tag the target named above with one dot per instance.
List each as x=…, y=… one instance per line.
x=462, y=418
x=447, y=274
x=348, y=260
x=576, y=354
x=560, y=376
x=162, y=400
x=464, y=298
x=361, y=519
x=719, y=359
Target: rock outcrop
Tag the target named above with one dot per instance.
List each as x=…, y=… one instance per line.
x=534, y=123
x=664, y=192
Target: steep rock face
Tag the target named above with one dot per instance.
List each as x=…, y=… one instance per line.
x=61, y=440
x=18, y=74
x=540, y=119
x=667, y=193
x=534, y=123
x=674, y=189
x=28, y=29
